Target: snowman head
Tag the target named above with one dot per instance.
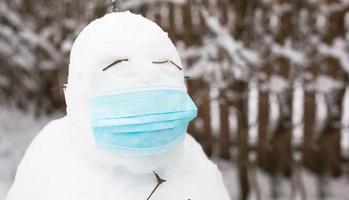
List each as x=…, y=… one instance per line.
x=120, y=52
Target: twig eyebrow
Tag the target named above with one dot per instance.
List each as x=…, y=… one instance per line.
x=167, y=61
x=114, y=63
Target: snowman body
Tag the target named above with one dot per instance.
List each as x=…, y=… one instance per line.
x=55, y=172
x=63, y=162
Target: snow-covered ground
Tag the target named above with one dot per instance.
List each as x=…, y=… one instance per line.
x=16, y=132
x=18, y=129
x=335, y=189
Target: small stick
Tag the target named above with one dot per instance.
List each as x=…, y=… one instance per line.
x=175, y=65
x=166, y=61
x=159, y=180
x=114, y=63
x=160, y=62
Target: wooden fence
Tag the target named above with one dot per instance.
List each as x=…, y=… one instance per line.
x=315, y=30
x=276, y=149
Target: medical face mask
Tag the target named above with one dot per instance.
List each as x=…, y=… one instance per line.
x=150, y=121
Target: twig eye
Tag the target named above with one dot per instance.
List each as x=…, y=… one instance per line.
x=114, y=63
x=167, y=61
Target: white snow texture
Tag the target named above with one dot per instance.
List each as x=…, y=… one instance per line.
x=62, y=161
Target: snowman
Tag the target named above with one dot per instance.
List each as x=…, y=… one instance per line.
x=124, y=136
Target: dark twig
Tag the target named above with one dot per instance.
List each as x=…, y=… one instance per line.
x=159, y=180
x=167, y=61
x=114, y=63
x=160, y=62
x=175, y=65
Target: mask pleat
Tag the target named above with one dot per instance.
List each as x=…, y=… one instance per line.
x=142, y=122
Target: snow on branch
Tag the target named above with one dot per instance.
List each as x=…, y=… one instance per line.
x=338, y=49
x=241, y=59
x=131, y=4
x=295, y=56
x=27, y=35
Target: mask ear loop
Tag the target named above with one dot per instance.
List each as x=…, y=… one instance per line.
x=58, y=87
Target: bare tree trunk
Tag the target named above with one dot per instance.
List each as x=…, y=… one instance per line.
x=206, y=115
x=310, y=147
x=224, y=138
x=242, y=140
x=265, y=151
x=330, y=140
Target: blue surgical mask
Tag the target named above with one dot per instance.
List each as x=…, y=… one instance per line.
x=150, y=121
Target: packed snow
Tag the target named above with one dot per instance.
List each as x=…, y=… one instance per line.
x=17, y=130
x=64, y=154
x=21, y=132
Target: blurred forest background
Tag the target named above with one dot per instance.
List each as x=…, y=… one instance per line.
x=270, y=77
